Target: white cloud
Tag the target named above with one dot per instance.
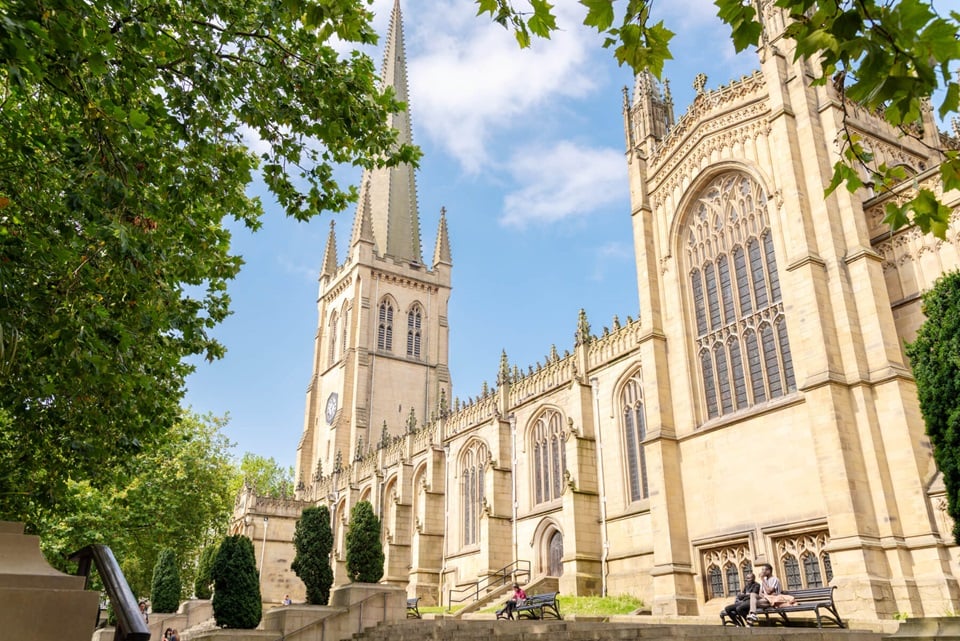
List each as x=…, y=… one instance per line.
x=611, y=254
x=470, y=80
x=562, y=182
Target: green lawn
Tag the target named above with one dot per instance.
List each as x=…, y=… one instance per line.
x=582, y=605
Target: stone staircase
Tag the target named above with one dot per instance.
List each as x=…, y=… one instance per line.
x=490, y=630
x=499, y=594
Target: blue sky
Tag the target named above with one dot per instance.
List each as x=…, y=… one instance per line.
x=525, y=149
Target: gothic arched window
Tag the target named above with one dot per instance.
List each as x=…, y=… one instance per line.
x=634, y=432
x=549, y=457
x=741, y=345
x=414, y=322
x=472, y=464
x=332, y=333
x=385, y=326
x=345, y=322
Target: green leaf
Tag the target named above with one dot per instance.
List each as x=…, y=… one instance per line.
x=599, y=14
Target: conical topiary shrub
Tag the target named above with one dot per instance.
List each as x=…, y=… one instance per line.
x=364, y=549
x=236, y=586
x=313, y=541
x=201, y=585
x=165, y=589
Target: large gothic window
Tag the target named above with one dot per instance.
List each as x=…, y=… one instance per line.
x=414, y=322
x=385, y=326
x=345, y=321
x=634, y=431
x=549, y=457
x=472, y=464
x=741, y=333
x=332, y=347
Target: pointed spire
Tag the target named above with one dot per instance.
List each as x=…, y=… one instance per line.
x=330, y=254
x=582, y=336
x=362, y=225
x=393, y=191
x=503, y=375
x=441, y=253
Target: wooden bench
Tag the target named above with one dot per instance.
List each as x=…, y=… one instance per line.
x=413, y=608
x=540, y=606
x=816, y=600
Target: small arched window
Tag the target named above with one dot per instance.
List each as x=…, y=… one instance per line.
x=385, y=326
x=741, y=332
x=549, y=457
x=634, y=431
x=472, y=465
x=414, y=325
x=332, y=335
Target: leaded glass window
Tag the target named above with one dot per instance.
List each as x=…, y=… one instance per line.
x=811, y=571
x=473, y=462
x=549, y=457
x=634, y=433
x=809, y=548
x=733, y=579
x=414, y=322
x=716, y=582
x=742, y=339
x=791, y=570
x=385, y=326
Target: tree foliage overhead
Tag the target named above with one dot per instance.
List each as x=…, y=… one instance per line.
x=177, y=495
x=236, y=591
x=265, y=476
x=126, y=137
x=364, y=548
x=935, y=358
x=166, y=587
x=891, y=57
x=313, y=541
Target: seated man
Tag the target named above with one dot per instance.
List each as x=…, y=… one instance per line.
x=738, y=610
x=769, y=595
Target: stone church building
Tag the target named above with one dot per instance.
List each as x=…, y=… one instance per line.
x=770, y=339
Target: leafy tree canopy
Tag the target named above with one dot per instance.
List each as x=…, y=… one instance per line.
x=891, y=57
x=265, y=476
x=177, y=495
x=126, y=137
x=935, y=358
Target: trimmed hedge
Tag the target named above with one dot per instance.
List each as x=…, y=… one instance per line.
x=166, y=587
x=236, y=586
x=364, y=549
x=201, y=586
x=313, y=540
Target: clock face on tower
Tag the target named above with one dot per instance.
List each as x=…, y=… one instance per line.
x=331, y=407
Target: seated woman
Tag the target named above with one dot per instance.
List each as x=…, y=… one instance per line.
x=515, y=600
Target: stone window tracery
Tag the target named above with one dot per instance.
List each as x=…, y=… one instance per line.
x=742, y=344
x=549, y=457
x=803, y=560
x=725, y=567
x=634, y=432
x=414, y=326
x=385, y=326
x=473, y=463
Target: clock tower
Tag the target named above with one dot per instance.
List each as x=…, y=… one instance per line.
x=381, y=345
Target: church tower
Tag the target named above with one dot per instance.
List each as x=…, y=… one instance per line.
x=380, y=359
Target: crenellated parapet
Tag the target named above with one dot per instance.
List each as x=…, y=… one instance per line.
x=614, y=343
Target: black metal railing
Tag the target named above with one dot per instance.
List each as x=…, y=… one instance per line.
x=516, y=572
x=130, y=623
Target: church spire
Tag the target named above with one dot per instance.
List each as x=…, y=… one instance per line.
x=330, y=254
x=362, y=225
x=393, y=191
x=441, y=252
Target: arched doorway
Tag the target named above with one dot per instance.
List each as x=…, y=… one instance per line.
x=555, y=554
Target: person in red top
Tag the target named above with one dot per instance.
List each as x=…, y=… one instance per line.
x=517, y=599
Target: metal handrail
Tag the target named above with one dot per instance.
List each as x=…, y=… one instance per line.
x=506, y=574
x=130, y=623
